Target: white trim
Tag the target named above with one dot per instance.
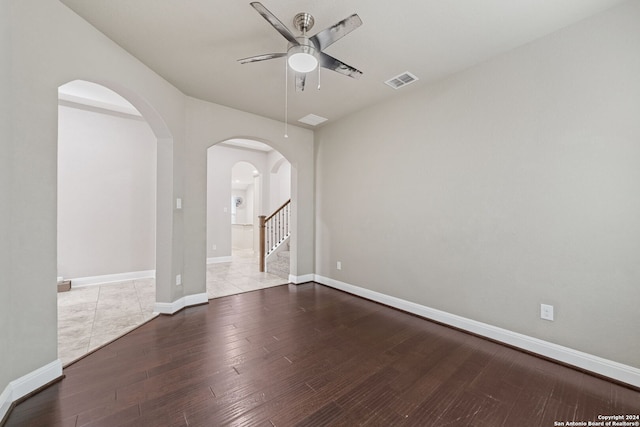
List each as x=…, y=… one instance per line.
x=29, y=383
x=296, y=280
x=219, y=259
x=196, y=299
x=5, y=401
x=186, y=301
x=609, y=368
x=36, y=379
x=80, y=282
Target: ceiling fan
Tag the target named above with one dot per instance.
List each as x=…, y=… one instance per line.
x=305, y=53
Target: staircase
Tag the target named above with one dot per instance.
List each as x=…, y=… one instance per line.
x=274, y=241
x=278, y=262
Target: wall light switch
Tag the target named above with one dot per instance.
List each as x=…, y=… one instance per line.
x=546, y=312
x=339, y=265
x=214, y=247
x=178, y=203
x=178, y=280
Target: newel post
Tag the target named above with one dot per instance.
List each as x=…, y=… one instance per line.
x=262, y=227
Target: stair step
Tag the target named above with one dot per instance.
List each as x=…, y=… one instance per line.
x=280, y=272
x=279, y=264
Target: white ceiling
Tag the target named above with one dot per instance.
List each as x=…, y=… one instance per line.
x=195, y=44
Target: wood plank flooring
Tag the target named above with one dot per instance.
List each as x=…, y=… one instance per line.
x=309, y=355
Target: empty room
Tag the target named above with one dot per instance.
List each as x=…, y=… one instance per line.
x=458, y=233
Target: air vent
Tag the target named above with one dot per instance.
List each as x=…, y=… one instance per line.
x=401, y=80
x=312, y=119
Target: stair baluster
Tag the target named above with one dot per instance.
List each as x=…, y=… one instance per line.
x=274, y=229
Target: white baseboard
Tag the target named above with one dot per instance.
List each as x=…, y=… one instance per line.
x=608, y=368
x=28, y=383
x=5, y=401
x=186, y=301
x=296, y=280
x=219, y=259
x=80, y=282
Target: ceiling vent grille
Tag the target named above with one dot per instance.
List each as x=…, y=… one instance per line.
x=312, y=119
x=401, y=80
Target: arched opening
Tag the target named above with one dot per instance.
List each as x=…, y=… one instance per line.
x=107, y=223
x=240, y=188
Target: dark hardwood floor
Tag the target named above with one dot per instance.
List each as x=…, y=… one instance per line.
x=312, y=356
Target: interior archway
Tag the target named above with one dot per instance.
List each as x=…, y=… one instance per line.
x=108, y=168
x=239, y=170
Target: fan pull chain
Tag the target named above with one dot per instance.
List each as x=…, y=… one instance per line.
x=318, y=76
x=286, y=99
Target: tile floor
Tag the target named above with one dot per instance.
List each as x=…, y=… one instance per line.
x=92, y=316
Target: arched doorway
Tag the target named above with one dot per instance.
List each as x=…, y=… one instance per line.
x=107, y=186
x=240, y=187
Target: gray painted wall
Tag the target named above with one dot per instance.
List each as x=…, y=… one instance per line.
x=106, y=193
x=511, y=184
x=279, y=174
x=6, y=144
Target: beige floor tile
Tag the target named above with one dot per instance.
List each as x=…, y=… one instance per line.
x=117, y=287
x=111, y=313
x=107, y=326
x=221, y=288
x=78, y=312
x=78, y=295
x=97, y=341
x=149, y=315
x=70, y=351
x=70, y=335
x=248, y=284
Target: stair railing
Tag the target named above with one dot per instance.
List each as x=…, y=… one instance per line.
x=274, y=229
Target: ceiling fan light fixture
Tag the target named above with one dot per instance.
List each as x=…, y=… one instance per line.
x=302, y=58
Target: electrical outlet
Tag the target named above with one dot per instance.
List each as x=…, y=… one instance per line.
x=339, y=265
x=178, y=280
x=546, y=312
x=214, y=247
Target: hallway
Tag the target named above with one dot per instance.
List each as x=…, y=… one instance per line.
x=90, y=317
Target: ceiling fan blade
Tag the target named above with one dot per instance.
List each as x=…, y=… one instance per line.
x=301, y=78
x=275, y=22
x=261, y=57
x=330, y=35
x=336, y=65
